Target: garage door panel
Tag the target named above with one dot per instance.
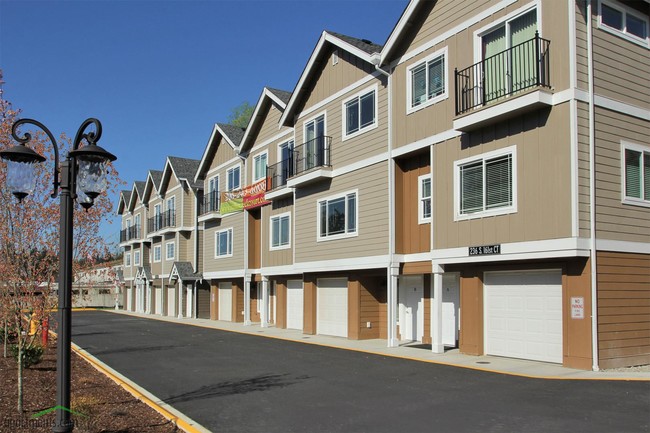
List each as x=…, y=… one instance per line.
x=332, y=307
x=523, y=315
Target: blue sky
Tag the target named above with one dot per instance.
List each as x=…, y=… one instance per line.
x=159, y=74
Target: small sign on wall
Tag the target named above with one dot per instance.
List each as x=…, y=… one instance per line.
x=578, y=307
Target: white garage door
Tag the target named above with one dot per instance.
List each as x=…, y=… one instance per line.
x=294, y=304
x=523, y=315
x=225, y=301
x=159, y=300
x=171, y=301
x=129, y=299
x=332, y=310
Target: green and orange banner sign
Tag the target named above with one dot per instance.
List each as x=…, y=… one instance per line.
x=249, y=197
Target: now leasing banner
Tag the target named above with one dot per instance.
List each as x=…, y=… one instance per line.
x=249, y=197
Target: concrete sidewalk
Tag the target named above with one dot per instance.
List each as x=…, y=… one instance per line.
x=415, y=352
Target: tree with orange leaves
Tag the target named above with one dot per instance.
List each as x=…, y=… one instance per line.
x=29, y=242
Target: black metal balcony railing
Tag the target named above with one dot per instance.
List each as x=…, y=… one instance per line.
x=314, y=153
x=210, y=203
x=162, y=221
x=516, y=69
x=130, y=233
x=277, y=174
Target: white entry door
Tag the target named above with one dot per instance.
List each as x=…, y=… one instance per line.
x=523, y=315
x=225, y=301
x=332, y=307
x=159, y=300
x=294, y=304
x=411, y=307
x=450, y=309
x=171, y=301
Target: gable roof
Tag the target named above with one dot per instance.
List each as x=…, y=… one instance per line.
x=280, y=97
x=231, y=135
x=362, y=48
x=125, y=197
x=153, y=181
x=183, y=168
x=184, y=271
x=403, y=25
x=137, y=191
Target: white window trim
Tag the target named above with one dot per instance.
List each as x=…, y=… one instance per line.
x=257, y=155
x=207, y=184
x=281, y=247
x=159, y=248
x=216, y=242
x=309, y=120
x=623, y=33
x=409, y=108
x=136, y=257
x=345, y=136
x=320, y=238
x=421, y=218
x=632, y=200
x=128, y=223
x=482, y=157
x=232, y=167
x=127, y=259
x=167, y=250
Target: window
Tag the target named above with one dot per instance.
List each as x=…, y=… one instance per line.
x=157, y=217
x=171, y=204
x=284, y=150
x=127, y=259
x=424, y=199
x=636, y=166
x=156, y=253
x=234, y=178
x=623, y=21
x=137, y=224
x=170, y=249
x=259, y=166
x=337, y=217
x=136, y=258
x=359, y=113
x=486, y=185
x=223, y=243
x=281, y=231
x=314, y=147
x=427, y=81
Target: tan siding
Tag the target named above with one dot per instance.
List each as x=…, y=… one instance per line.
x=583, y=169
x=156, y=267
x=615, y=220
x=276, y=257
x=224, y=154
x=201, y=253
x=623, y=309
x=189, y=209
x=185, y=247
x=542, y=141
x=236, y=262
x=167, y=264
x=372, y=220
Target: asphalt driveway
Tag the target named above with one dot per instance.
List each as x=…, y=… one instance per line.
x=231, y=382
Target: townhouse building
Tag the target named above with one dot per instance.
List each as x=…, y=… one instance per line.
x=480, y=182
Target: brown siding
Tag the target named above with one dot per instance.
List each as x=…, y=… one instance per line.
x=426, y=338
x=372, y=306
x=214, y=300
x=309, y=301
x=410, y=235
x=623, y=309
x=576, y=338
x=471, y=318
x=203, y=301
x=238, y=300
x=281, y=299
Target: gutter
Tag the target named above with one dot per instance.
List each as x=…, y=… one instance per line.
x=592, y=193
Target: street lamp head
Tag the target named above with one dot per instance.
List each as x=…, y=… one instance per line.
x=83, y=200
x=21, y=170
x=91, y=177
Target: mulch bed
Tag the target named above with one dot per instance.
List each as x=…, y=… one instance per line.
x=106, y=406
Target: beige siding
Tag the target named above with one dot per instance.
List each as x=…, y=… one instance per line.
x=167, y=264
x=156, y=267
x=129, y=271
x=276, y=257
x=583, y=170
x=236, y=262
x=189, y=208
x=372, y=219
x=332, y=78
x=185, y=247
x=543, y=163
x=615, y=220
x=224, y=154
x=201, y=254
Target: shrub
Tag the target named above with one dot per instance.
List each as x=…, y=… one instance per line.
x=31, y=355
x=11, y=334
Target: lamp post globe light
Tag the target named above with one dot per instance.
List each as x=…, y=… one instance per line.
x=82, y=177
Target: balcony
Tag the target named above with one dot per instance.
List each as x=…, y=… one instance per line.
x=277, y=176
x=310, y=162
x=162, y=222
x=209, y=207
x=130, y=234
x=506, y=84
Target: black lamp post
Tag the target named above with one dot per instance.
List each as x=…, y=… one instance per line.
x=83, y=176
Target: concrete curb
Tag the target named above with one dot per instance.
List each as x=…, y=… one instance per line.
x=181, y=420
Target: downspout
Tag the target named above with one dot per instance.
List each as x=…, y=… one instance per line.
x=592, y=194
x=196, y=253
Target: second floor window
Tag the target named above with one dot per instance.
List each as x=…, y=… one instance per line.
x=223, y=243
x=428, y=80
x=170, y=249
x=424, y=199
x=486, y=185
x=127, y=259
x=337, y=217
x=259, y=166
x=637, y=174
x=156, y=253
x=622, y=20
x=280, y=231
x=234, y=178
x=136, y=258
x=360, y=113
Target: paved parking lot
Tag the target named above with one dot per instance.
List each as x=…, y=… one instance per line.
x=231, y=382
